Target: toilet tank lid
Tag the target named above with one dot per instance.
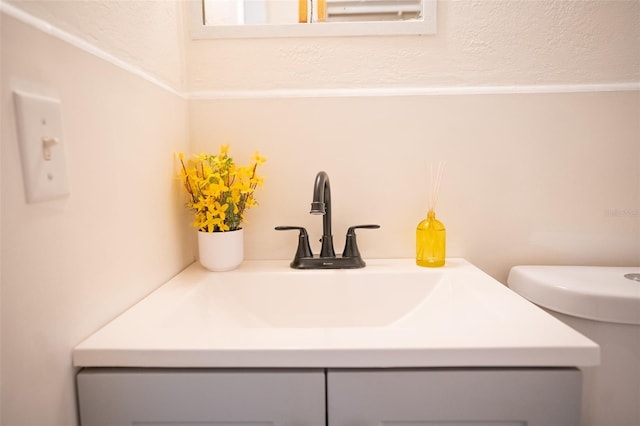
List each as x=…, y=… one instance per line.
x=599, y=293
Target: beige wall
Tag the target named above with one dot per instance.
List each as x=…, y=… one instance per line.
x=531, y=178
x=68, y=267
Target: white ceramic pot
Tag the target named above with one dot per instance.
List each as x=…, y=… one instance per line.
x=221, y=251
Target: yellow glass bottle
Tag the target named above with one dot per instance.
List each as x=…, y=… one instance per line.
x=431, y=238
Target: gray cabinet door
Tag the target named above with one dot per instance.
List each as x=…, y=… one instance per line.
x=454, y=397
x=172, y=397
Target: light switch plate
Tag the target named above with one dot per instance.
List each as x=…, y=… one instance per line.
x=42, y=147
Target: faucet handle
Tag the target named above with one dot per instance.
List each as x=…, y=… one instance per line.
x=350, y=245
x=304, y=249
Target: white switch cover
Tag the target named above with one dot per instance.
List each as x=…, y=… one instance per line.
x=42, y=147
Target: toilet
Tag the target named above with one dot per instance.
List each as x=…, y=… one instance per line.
x=602, y=303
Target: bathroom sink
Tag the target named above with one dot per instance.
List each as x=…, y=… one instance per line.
x=390, y=314
x=302, y=299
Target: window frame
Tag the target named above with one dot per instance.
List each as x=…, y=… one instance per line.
x=424, y=26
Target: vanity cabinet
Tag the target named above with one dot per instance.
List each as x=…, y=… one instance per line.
x=335, y=397
x=454, y=397
x=202, y=397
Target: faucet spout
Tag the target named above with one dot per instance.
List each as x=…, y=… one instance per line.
x=321, y=204
x=304, y=258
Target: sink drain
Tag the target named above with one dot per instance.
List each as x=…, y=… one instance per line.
x=633, y=277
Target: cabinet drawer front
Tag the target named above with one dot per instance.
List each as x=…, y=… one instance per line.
x=201, y=397
x=482, y=397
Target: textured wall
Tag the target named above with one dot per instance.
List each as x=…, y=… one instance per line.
x=146, y=34
x=477, y=43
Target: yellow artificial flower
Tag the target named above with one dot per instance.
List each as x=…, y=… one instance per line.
x=258, y=158
x=220, y=191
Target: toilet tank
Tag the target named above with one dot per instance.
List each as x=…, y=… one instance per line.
x=603, y=303
x=600, y=293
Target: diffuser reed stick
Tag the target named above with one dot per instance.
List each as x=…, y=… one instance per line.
x=435, y=178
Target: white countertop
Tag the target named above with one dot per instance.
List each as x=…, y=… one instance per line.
x=467, y=320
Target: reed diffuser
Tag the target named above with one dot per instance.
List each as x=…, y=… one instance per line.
x=431, y=235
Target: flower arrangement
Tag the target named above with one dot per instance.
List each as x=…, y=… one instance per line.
x=219, y=191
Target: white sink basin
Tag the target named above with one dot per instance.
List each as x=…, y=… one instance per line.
x=390, y=314
x=303, y=299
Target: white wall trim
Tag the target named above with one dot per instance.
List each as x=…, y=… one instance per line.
x=84, y=45
x=412, y=91
x=309, y=93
